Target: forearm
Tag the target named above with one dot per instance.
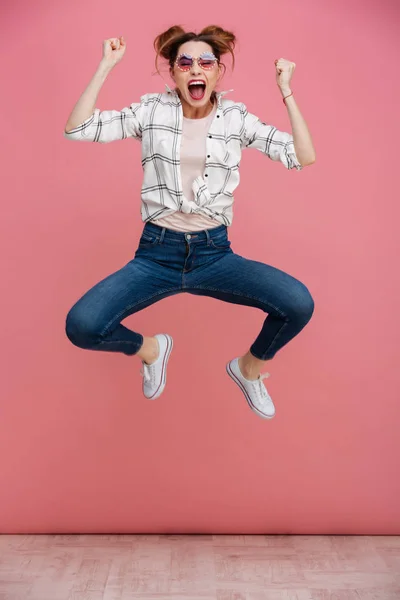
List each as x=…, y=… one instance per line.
x=86, y=104
x=302, y=141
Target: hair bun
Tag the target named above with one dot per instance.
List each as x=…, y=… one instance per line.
x=214, y=30
x=163, y=42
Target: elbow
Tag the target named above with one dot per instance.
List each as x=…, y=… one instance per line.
x=69, y=131
x=308, y=162
x=68, y=127
x=69, y=134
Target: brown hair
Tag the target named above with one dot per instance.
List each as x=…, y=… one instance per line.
x=167, y=44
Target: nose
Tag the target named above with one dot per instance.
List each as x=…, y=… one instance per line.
x=195, y=69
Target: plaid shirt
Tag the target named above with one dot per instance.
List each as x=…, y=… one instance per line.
x=157, y=122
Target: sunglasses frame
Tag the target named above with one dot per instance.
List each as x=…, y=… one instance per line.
x=215, y=61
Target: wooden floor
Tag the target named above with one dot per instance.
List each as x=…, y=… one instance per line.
x=199, y=567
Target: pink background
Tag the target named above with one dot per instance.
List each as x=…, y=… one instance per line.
x=81, y=449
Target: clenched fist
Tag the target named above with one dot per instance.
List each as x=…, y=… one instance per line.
x=113, y=50
x=284, y=72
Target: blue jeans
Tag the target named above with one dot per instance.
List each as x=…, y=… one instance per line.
x=169, y=262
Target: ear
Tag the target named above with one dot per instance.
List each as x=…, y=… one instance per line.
x=171, y=72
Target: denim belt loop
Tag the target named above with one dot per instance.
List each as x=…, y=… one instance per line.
x=208, y=237
x=162, y=235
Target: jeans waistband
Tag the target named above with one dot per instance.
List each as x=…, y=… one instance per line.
x=203, y=235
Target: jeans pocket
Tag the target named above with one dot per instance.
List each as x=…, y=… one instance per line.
x=148, y=239
x=220, y=244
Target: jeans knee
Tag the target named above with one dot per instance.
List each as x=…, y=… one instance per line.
x=79, y=330
x=72, y=329
x=306, y=304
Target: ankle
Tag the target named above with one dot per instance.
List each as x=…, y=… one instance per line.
x=248, y=371
x=149, y=350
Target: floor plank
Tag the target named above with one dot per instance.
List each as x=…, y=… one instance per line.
x=199, y=567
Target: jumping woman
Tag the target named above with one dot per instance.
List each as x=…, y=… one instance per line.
x=192, y=138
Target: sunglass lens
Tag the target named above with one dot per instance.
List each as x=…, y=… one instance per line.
x=206, y=63
x=184, y=62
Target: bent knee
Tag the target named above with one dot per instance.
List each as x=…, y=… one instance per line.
x=80, y=329
x=305, y=305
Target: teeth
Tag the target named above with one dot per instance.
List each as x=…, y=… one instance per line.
x=197, y=83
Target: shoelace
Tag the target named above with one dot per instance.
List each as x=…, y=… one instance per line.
x=264, y=396
x=145, y=371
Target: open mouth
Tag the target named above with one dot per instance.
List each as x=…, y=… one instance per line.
x=197, y=90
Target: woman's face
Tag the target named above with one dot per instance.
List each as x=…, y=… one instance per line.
x=199, y=96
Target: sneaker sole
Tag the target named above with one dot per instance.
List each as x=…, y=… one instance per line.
x=249, y=402
x=167, y=354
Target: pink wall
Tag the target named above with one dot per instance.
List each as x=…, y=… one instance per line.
x=81, y=449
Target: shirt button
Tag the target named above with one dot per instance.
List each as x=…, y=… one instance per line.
x=217, y=116
x=210, y=136
x=206, y=175
x=208, y=155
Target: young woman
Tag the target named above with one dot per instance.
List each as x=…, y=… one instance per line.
x=192, y=138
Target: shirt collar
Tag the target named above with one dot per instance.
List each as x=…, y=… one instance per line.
x=218, y=95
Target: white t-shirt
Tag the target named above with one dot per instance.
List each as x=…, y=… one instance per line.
x=193, y=159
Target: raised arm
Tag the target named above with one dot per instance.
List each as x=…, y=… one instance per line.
x=113, y=51
x=302, y=140
x=294, y=150
x=87, y=123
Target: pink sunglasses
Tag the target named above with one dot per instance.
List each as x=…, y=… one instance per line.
x=206, y=60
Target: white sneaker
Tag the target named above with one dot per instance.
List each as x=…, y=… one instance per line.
x=155, y=375
x=254, y=390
